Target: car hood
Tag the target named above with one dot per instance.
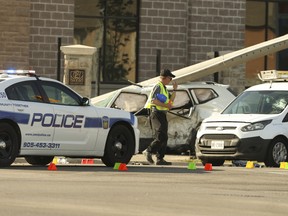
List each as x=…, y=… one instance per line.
x=238, y=118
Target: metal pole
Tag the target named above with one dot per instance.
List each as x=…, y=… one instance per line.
x=216, y=75
x=99, y=71
x=158, y=62
x=59, y=59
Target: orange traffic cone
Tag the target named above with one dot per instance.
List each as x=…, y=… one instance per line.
x=208, y=167
x=84, y=161
x=90, y=161
x=123, y=167
x=52, y=167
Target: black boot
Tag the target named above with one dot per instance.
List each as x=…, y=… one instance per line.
x=162, y=162
x=148, y=156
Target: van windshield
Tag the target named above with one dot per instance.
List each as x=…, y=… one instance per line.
x=258, y=102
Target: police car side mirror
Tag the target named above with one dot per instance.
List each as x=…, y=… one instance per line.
x=85, y=101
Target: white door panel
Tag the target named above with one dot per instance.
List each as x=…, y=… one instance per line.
x=70, y=130
x=37, y=134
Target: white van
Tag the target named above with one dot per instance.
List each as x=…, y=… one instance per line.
x=254, y=126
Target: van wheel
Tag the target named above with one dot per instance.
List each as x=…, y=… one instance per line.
x=213, y=162
x=9, y=145
x=277, y=152
x=39, y=160
x=120, y=146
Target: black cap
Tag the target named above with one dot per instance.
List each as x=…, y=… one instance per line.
x=166, y=73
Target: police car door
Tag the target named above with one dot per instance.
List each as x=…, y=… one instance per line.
x=70, y=135
x=29, y=107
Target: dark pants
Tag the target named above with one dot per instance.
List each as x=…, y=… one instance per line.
x=160, y=128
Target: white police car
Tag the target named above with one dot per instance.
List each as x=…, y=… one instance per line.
x=41, y=118
x=253, y=127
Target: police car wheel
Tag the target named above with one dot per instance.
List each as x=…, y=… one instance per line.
x=9, y=144
x=277, y=152
x=39, y=160
x=120, y=146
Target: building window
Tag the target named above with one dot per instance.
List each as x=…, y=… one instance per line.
x=112, y=27
x=265, y=20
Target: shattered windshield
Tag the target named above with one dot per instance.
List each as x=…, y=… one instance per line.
x=130, y=102
x=258, y=102
x=204, y=95
x=102, y=101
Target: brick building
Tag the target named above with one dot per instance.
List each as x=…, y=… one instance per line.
x=29, y=33
x=165, y=33
x=187, y=30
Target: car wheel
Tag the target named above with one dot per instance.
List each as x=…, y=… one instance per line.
x=9, y=145
x=277, y=152
x=39, y=160
x=213, y=162
x=120, y=146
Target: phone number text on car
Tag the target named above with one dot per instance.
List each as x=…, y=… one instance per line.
x=41, y=145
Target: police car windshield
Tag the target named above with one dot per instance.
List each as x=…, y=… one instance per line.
x=258, y=102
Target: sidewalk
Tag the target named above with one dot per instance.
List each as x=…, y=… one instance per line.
x=175, y=159
x=138, y=159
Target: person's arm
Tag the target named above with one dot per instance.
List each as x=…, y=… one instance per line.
x=158, y=103
x=173, y=95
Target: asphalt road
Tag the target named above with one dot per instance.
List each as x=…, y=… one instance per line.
x=76, y=189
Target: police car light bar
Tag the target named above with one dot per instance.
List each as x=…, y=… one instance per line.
x=17, y=72
x=273, y=75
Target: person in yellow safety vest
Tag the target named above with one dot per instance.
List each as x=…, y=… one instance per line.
x=158, y=110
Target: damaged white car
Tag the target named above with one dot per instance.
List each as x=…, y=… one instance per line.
x=194, y=102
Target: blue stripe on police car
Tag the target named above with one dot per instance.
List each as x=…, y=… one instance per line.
x=21, y=118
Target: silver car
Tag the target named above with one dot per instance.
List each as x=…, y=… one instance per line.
x=194, y=102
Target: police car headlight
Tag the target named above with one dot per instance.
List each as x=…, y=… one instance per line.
x=256, y=126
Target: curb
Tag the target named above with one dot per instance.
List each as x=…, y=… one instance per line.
x=138, y=159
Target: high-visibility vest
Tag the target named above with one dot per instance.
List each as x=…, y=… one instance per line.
x=163, y=91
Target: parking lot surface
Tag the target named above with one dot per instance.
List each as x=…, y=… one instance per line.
x=79, y=189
